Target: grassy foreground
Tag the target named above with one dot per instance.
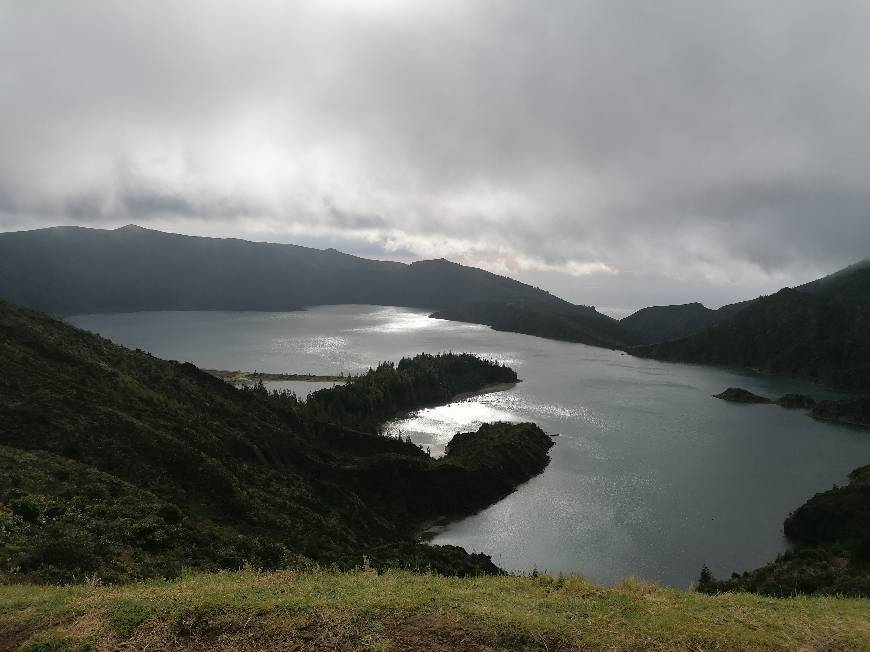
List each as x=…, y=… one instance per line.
x=324, y=610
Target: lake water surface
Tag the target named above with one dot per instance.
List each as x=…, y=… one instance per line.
x=650, y=476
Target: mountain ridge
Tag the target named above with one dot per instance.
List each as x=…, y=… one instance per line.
x=663, y=323
x=75, y=270
x=822, y=335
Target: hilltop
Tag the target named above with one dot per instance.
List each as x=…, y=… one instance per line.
x=663, y=323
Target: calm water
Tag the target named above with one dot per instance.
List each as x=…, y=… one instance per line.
x=650, y=476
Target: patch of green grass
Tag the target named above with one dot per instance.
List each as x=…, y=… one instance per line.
x=367, y=609
x=126, y=615
x=56, y=644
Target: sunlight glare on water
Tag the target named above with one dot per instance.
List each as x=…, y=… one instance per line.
x=650, y=476
x=395, y=320
x=434, y=427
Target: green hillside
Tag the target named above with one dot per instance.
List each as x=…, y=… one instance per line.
x=70, y=270
x=664, y=323
x=822, y=335
x=121, y=465
x=567, y=323
x=74, y=270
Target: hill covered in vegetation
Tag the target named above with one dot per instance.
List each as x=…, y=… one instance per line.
x=822, y=335
x=120, y=465
x=382, y=393
x=74, y=270
x=831, y=553
x=664, y=323
x=658, y=324
x=400, y=611
x=568, y=323
x=70, y=270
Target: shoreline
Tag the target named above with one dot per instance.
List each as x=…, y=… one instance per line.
x=248, y=377
x=492, y=388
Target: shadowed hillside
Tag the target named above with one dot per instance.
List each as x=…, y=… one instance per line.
x=823, y=335
x=66, y=270
x=658, y=324
x=663, y=323
x=73, y=270
x=567, y=322
x=118, y=464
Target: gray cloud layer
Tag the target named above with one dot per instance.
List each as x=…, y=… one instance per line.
x=621, y=153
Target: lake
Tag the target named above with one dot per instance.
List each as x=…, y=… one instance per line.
x=650, y=476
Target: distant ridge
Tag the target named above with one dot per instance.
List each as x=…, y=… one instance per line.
x=662, y=323
x=820, y=331
x=74, y=270
x=65, y=270
x=658, y=324
x=809, y=331
x=819, y=285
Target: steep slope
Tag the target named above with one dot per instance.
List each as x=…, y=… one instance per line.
x=568, y=323
x=68, y=270
x=657, y=324
x=664, y=323
x=822, y=335
x=822, y=285
x=118, y=463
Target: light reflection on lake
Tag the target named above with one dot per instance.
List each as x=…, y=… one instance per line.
x=650, y=476
x=434, y=427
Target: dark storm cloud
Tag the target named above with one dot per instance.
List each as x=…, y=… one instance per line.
x=351, y=220
x=143, y=204
x=620, y=153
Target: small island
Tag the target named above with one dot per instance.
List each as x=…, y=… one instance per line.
x=850, y=412
x=740, y=395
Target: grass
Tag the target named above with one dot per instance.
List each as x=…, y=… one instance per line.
x=327, y=610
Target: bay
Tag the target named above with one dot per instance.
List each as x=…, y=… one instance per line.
x=650, y=476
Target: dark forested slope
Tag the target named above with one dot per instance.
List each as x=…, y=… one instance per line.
x=663, y=323
x=66, y=270
x=120, y=464
x=69, y=270
x=566, y=322
x=658, y=324
x=823, y=335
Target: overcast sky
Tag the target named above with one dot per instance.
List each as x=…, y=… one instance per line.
x=618, y=153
